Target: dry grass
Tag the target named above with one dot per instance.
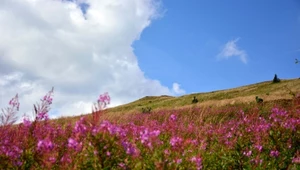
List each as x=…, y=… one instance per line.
x=268, y=91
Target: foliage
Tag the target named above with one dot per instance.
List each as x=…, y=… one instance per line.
x=165, y=139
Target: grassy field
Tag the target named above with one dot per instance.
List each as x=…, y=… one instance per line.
x=270, y=92
x=226, y=129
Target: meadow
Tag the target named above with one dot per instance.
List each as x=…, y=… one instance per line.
x=230, y=136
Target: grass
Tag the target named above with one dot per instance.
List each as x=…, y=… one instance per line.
x=270, y=92
x=226, y=129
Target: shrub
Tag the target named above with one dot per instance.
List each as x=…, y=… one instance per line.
x=195, y=100
x=259, y=100
x=146, y=110
x=276, y=79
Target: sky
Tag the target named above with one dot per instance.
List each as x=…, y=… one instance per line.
x=137, y=48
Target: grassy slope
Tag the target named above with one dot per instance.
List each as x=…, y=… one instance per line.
x=246, y=94
x=270, y=92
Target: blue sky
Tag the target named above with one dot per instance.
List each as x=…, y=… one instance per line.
x=184, y=43
x=137, y=48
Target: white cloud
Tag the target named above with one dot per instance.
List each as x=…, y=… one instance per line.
x=177, y=90
x=231, y=49
x=52, y=43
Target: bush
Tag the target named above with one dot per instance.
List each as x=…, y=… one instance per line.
x=146, y=110
x=276, y=79
x=195, y=100
x=259, y=100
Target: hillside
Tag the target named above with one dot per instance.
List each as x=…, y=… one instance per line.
x=246, y=94
x=226, y=129
x=272, y=93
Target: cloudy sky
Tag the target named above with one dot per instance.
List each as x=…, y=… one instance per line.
x=134, y=48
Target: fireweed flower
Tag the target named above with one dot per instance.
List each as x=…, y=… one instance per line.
x=45, y=145
x=296, y=160
x=173, y=117
x=166, y=152
x=144, y=136
x=155, y=133
x=258, y=147
x=14, y=102
x=102, y=102
x=129, y=148
x=66, y=158
x=14, y=152
x=8, y=116
x=43, y=109
x=274, y=153
x=74, y=144
x=42, y=116
x=80, y=127
x=52, y=159
x=247, y=153
x=257, y=161
x=108, y=153
x=175, y=141
x=178, y=161
x=26, y=121
x=122, y=165
x=104, y=98
x=197, y=161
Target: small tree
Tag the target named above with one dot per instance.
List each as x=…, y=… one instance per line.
x=276, y=79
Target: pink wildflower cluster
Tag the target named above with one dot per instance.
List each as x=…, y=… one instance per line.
x=8, y=116
x=167, y=139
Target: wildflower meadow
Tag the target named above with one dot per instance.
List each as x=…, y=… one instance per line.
x=192, y=138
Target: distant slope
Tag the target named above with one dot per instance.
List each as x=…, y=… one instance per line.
x=246, y=94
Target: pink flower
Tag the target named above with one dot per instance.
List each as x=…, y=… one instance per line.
x=258, y=147
x=73, y=144
x=247, y=153
x=173, y=117
x=42, y=116
x=167, y=152
x=175, y=141
x=80, y=127
x=130, y=148
x=52, y=159
x=155, y=132
x=197, y=161
x=178, y=161
x=122, y=165
x=274, y=153
x=108, y=153
x=26, y=122
x=296, y=160
x=104, y=98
